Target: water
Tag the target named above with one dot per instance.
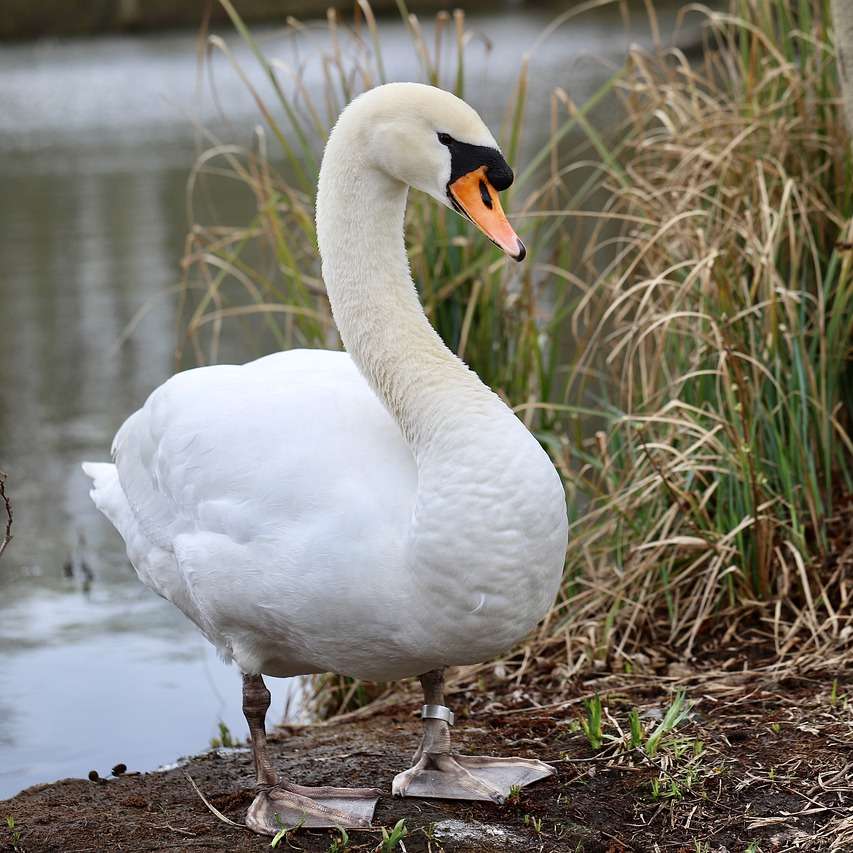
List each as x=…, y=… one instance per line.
x=96, y=140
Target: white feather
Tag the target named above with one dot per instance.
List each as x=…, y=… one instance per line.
x=379, y=513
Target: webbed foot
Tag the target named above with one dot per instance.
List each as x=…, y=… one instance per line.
x=439, y=772
x=290, y=806
x=282, y=805
x=449, y=776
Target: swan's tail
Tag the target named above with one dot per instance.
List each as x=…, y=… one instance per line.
x=101, y=473
x=109, y=497
x=106, y=492
x=156, y=567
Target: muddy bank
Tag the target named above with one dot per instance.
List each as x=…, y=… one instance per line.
x=768, y=765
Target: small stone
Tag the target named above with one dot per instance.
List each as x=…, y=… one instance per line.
x=94, y=776
x=119, y=769
x=482, y=836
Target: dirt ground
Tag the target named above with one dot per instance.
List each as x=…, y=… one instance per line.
x=768, y=765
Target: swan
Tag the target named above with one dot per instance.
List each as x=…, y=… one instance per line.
x=379, y=512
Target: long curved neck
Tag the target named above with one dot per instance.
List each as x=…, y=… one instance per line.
x=360, y=213
x=487, y=531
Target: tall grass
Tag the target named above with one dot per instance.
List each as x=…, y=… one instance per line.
x=686, y=363
x=727, y=321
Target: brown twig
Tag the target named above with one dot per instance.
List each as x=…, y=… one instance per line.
x=7, y=532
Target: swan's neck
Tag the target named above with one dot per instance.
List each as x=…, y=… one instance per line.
x=360, y=213
x=485, y=545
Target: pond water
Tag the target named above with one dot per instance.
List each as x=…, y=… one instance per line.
x=96, y=140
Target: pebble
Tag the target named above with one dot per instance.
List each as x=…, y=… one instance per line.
x=484, y=836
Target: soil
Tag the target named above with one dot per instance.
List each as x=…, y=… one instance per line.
x=768, y=765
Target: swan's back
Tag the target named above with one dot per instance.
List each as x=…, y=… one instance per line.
x=266, y=500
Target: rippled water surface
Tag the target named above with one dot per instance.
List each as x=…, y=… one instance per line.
x=96, y=141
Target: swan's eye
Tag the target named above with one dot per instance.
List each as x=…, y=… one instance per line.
x=445, y=138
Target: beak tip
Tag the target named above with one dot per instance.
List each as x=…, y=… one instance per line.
x=522, y=252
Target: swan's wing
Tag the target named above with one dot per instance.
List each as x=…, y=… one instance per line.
x=281, y=486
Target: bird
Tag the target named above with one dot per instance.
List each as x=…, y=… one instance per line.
x=377, y=512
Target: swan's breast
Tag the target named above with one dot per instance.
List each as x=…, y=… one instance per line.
x=490, y=533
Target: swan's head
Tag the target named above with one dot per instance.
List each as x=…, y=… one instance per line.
x=433, y=141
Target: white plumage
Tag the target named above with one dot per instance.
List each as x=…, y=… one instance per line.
x=379, y=513
x=272, y=503
x=257, y=498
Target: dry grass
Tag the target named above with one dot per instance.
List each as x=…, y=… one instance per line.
x=702, y=427
x=725, y=337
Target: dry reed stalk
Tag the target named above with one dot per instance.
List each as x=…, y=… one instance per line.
x=7, y=509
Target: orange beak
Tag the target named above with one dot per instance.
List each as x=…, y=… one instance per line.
x=473, y=196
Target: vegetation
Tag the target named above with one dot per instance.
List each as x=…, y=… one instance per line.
x=225, y=738
x=591, y=723
x=685, y=360
x=341, y=843
x=14, y=833
x=728, y=323
x=392, y=840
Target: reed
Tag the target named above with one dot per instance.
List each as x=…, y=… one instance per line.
x=685, y=360
x=724, y=324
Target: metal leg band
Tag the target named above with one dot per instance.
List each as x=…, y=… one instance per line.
x=437, y=712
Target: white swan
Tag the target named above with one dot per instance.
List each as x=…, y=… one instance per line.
x=378, y=513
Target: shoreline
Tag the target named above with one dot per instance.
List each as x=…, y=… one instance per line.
x=751, y=763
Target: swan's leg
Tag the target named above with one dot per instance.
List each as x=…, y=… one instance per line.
x=256, y=702
x=281, y=805
x=439, y=772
